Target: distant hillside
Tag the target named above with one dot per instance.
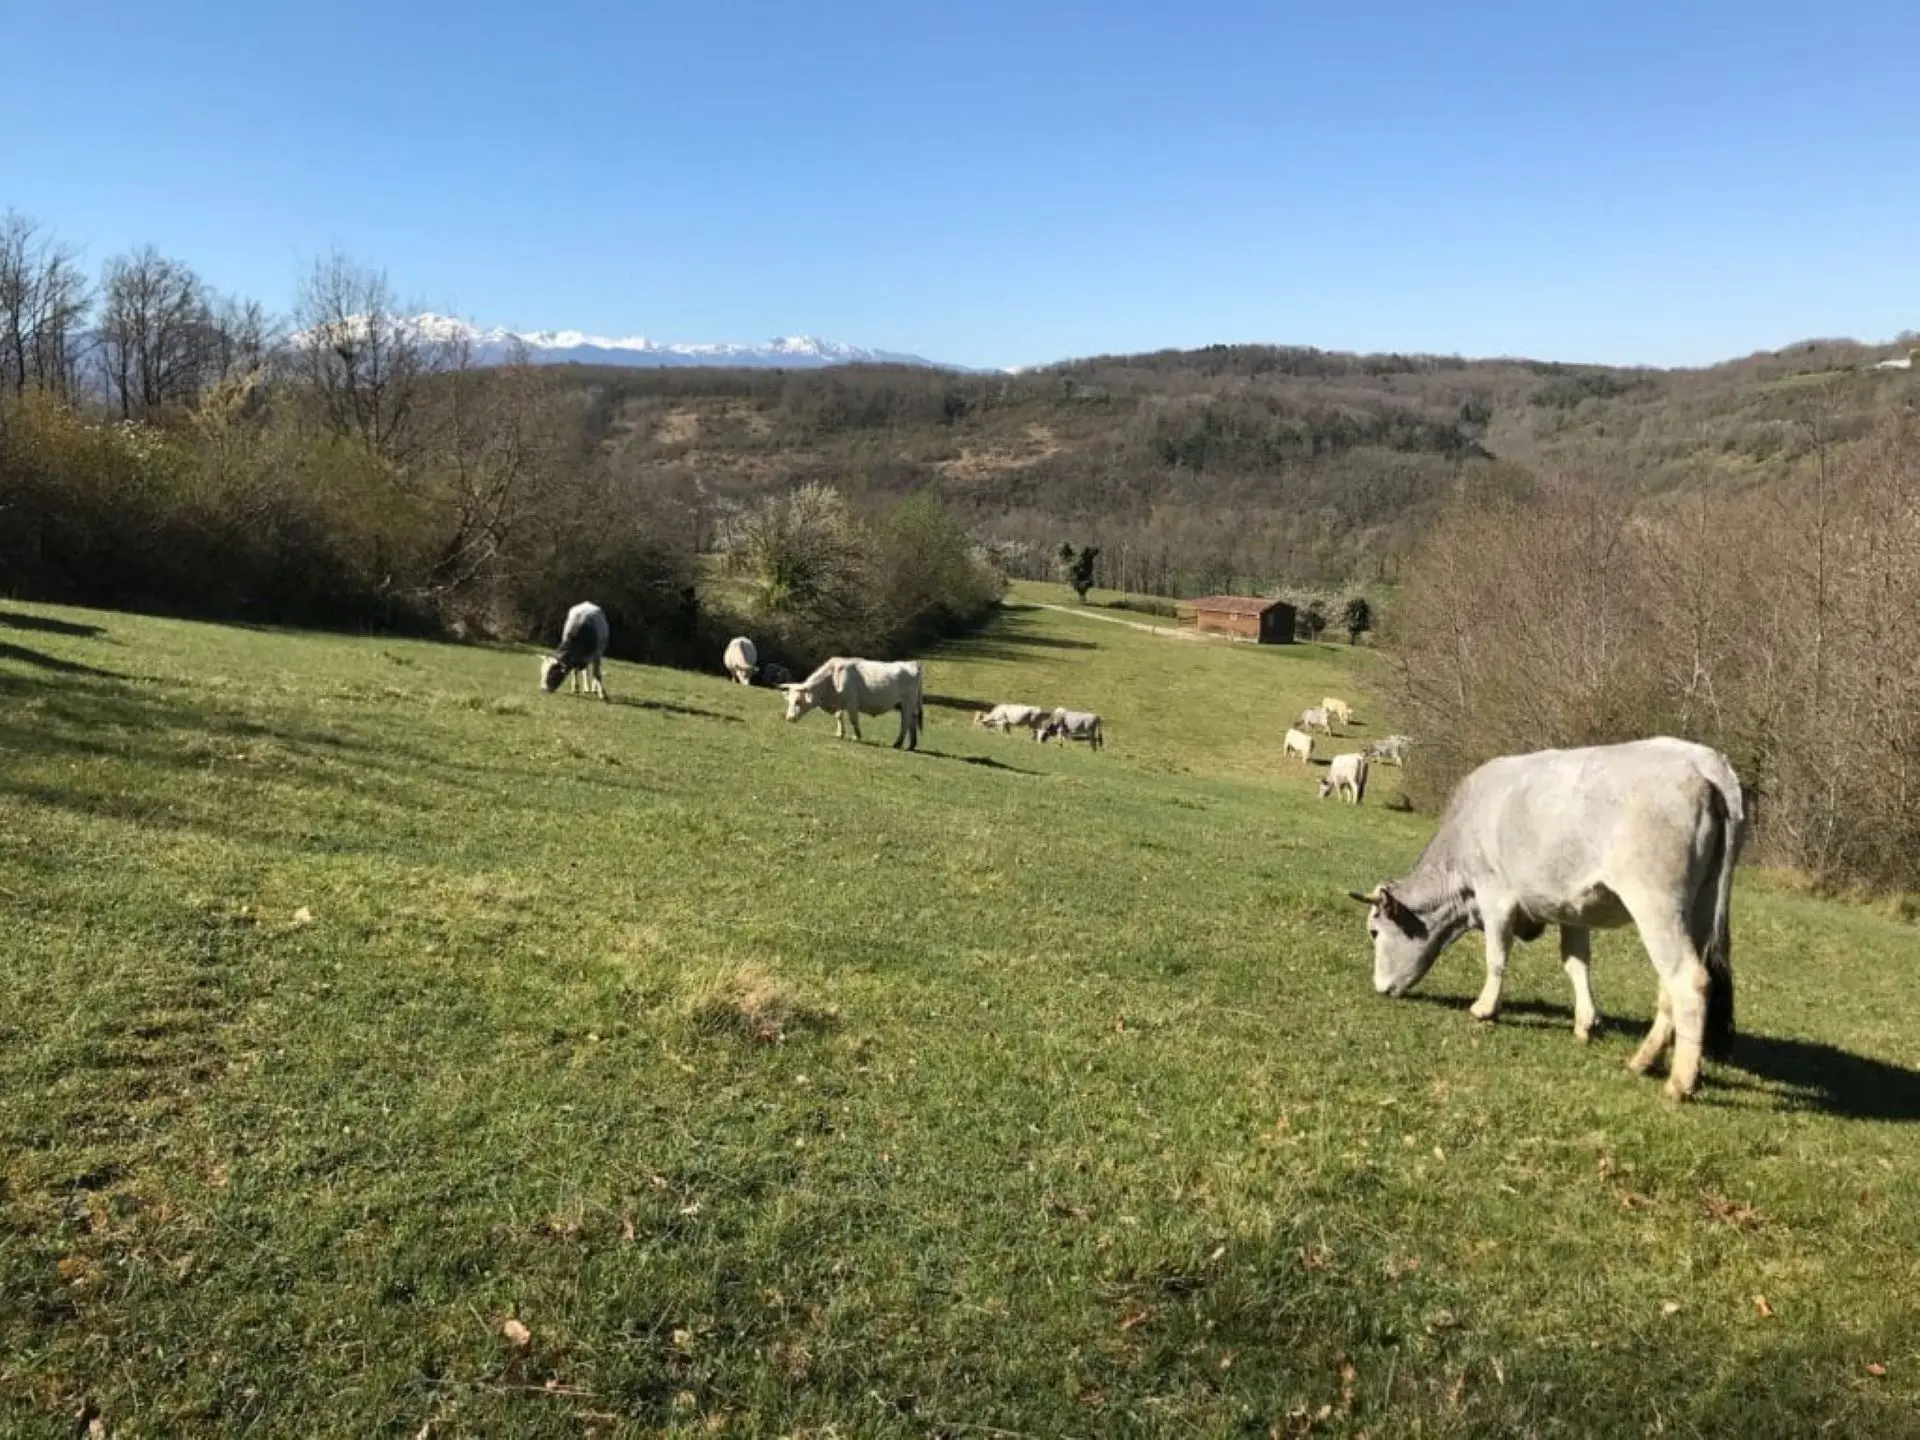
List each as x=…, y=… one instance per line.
x=1228, y=466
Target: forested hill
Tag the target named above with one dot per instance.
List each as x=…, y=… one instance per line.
x=1197, y=470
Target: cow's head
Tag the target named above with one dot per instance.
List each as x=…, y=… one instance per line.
x=1326, y=789
x=1404, y=945
x=799, y=700
x=553, y=670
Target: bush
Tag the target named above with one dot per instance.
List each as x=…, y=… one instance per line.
x=1782, y=627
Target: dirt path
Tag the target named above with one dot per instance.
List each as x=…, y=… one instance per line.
x=1176, y=633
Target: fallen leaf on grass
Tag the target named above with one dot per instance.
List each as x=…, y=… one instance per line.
x=1669, y=1307
x=1876, y=1369
x=1139, y=1317
x=303, y=916
x=1731, y=1212
x=1762, y=1307
x=517, y=1334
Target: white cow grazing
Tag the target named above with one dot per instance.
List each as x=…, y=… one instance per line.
x=1644, y=833
x=1314, y=719
x=1072, y=725
x=1298, y=743
x=1338, y=709
x=847, y=689
x=1348, y=775
x=1005, y=718
x=741, y=659
x=583, y=645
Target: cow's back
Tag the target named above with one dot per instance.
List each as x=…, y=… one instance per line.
x=895, y=681
x=1560, y=819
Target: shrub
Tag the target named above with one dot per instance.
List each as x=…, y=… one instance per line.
x=1782, y=626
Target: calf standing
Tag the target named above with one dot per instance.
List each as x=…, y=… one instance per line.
x=1073, y=725
x=1314, y=719
x=1006, y=718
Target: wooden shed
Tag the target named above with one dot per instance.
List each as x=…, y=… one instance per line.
x=1268, y=621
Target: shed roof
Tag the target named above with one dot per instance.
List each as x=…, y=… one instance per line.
x=1234, y=604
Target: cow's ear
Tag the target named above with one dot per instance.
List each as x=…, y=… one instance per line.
x=1373, y=897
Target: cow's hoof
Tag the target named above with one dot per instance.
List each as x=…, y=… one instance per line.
x=1676, y=1092
x=1589, y=1034
x=1486, y=1014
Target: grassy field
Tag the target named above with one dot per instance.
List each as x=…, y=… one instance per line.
x=388, y=1049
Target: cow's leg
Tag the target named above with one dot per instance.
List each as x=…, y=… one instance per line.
x=1576, y=956
x=1661, y=1032
x=1499, y=925
x=1683, y=991
x=901, y=739
x=599, y=680
x=853, y=719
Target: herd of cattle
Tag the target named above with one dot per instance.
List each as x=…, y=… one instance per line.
x=1644, y=833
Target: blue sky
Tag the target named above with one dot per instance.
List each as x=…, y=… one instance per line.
x=1009, y=183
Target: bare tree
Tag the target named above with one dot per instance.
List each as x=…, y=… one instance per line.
x=242, y=338
x=43, y=297
x=364, y=359
x=155, y=328
x=492, y=435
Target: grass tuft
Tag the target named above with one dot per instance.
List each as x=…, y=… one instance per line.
x=746, y=1000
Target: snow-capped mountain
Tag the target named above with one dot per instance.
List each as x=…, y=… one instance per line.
x=496, y=344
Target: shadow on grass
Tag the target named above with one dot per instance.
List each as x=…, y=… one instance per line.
x=985, y=762
x=1808, y=1074
x=1013, y=649
x=956, y=702
x=52, y=662
x=670, y=707
x=47, y=625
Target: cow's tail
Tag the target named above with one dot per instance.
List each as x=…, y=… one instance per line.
x=1729, y=804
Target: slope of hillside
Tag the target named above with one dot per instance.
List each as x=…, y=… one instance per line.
x=1213, y=469
x=385, y=1047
